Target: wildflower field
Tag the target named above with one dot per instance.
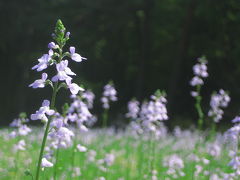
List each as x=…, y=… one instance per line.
x=105, y=154
x=70, y=146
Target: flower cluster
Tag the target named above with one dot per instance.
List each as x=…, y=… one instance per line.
x=218, y=100
x=89, y=97
x=133, y=109
x=152, y=113
x=200, y=72
x=175, y=166
x=109, y=94
x=56, y=57
x=22, y=130
x=79, y=113
x=149, y=116
x=59, y=134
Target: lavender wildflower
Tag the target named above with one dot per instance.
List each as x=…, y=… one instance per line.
x=218, y=100
x=40, y=83
x=109, y=94
x=89, y=97
x=75, y=56
x=44, y=61
x=154, y=111
x=133, y=109
x=175, y=166
x=55, y=57
x=200, y=72
x=43, y=111
x=52, y=45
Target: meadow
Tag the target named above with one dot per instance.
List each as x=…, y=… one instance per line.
x=183, y=154
x=69, y=147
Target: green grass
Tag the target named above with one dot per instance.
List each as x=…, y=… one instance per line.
x=135, y=157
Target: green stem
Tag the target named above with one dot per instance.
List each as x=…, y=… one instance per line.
x=153, y=152
x=199, y=108
x=213, y=128
x=73, y=150
x=56, y=163
x=141, y=156
x=46, y=131
x=128, y=157
x=105, y=118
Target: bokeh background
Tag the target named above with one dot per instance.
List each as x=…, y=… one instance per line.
x=141, y=45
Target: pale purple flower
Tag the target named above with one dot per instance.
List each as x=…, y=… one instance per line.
x=57, y=122
x=200, y=69
x=196, y=81
x=109, y=94
x=21, y=145
x=43, y=111
x=75, y=56
x=43, y=61
x=133, y=109
x=81, y=148
x=73, y=117
x=24, y=130
x=16, y=123
x=64, y=72
x=218, y=101
x=236, y=119
x=79, y=113
x=109, y=159
x=194, y=94
x=175, y=165
x=73, y=87
x=89, y=97
x=234, y=131
x=105, y=102
x=40, y=83
x=235, y=162
x=13, y=134
x=67, y=35
x=214, y=149
x=200, y=72
x=46, y=163
x=52, y=45
x=154, y=110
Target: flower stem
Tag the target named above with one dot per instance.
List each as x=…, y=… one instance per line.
x=199, y=108
x=105, y=118
x=46, y=132
x=56, y=163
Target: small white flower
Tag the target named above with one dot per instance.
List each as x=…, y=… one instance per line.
x=81, y=148
x=46, y=163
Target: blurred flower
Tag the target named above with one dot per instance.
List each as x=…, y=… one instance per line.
x=109, y=94
x=133, y=109
x=46, y=163
x=218, y=100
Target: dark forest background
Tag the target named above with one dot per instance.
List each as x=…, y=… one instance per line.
x=141, y=45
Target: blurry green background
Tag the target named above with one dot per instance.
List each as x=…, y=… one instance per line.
x=141, y=45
